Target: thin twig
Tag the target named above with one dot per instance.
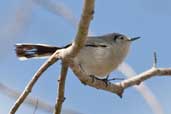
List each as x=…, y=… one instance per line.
x=30, y=85
x=146, y=75
x=155, y=60
x=143, y=89
x=61, y=88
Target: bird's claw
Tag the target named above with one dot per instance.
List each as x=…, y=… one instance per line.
x=105, y=80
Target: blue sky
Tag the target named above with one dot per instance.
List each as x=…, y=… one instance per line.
x=149, y=19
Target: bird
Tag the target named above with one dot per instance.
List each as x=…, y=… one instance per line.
x=99, y=56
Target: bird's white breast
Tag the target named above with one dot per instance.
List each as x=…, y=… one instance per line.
x=98, y=61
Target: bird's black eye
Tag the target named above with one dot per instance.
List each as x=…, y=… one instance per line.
x=116, y=37
x=121, y=37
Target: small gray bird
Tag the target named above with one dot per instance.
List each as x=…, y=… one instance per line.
x=99, y=57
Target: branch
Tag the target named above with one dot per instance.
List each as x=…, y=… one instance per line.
x=82, y=32
x=65, y=55
x=72, y=51
x=145, y=75
x=61, y=89
x=119, y=87
x=143, y=89
x=30, y=85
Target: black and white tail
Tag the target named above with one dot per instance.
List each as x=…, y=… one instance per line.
x=26, y=51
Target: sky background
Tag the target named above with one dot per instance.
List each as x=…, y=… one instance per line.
x=22, y=21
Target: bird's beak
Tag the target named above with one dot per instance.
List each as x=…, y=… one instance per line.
x=135, y=38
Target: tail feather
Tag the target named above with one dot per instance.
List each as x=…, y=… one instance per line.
x=26, y=51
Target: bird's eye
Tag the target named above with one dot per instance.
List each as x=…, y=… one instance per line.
x=121, y=37
x=116, y=37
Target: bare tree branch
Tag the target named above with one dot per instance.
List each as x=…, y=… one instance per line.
x=119, y=87
x=82, y=32
x=144, y=76
x=78, y=43
x=30, y=85
x=143, y=89
x=61, y=89
x=66, y=55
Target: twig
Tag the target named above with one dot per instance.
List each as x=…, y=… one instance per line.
x=143, y=89
x=30, y=85
x=145, y=75
x=61, y=88
x=119, y=87
x=155, y=60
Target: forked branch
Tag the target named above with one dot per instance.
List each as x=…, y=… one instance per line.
x=64, y=55
x=30, y=85
x=72, y=51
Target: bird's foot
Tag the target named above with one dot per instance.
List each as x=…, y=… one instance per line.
x=116, y=79
x=105, y=80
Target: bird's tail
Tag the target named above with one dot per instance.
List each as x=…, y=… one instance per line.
x=26, y=51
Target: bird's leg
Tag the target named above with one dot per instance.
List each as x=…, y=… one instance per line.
x=116, y=79
x=94, y=77
x=105, y=80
